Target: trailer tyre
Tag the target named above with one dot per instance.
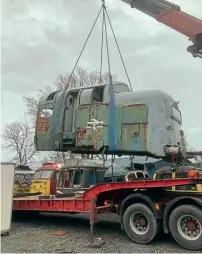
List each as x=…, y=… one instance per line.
x=140, y=223
x=185, y=223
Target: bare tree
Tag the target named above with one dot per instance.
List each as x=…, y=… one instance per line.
x=19, y=138
x=56, y=156
x=32, y=103
x=80, y=78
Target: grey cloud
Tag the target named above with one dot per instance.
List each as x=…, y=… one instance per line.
x=35, y=66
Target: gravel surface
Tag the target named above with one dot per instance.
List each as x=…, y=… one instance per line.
x=35, y=234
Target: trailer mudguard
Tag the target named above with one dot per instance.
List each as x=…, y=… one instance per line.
x=176, y=202
x=139, y=198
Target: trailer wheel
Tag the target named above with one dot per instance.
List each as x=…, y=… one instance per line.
x=140, y=224
x=185, y=223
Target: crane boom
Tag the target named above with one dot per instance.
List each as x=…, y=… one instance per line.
x=171, y=15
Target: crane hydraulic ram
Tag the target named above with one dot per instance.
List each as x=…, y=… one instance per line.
x=171, y=15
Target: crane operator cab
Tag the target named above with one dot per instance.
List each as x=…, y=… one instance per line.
x=87, y=120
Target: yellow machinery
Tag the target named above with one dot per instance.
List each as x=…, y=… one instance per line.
x=42, y=186
x=43, y=180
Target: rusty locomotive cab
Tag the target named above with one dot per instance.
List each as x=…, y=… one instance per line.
x=87, y=120
x=79, y=175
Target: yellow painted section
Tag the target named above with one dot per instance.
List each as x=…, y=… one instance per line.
x=196, y=188
x=199, y=187
x=20, y=189
x=42, y=186
x=173, y=177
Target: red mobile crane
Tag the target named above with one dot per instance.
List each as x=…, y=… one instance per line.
x=171, y=15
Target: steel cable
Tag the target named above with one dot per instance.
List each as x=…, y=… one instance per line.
x=102, y=44
x=119, y=50
x=84, y=45
x=104, y=27
x=67, y=85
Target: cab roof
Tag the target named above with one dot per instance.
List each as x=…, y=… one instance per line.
x=51, y=166
x=83, y=163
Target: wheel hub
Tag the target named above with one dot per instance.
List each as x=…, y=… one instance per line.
x=139, y=223
x=142, y=221
x=189, y=227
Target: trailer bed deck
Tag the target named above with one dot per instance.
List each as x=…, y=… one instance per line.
x=86, y=202
x=40, y=197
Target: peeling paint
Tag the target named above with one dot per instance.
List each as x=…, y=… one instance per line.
x=42, y=124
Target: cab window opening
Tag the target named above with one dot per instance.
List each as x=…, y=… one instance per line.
x=37, y=174
x=97, y=95
x=121, y=88
x=51, y=96
x=77, y=177
x=60, y=180
x=46, y=112
x=92, y=178
x=56, y=175
x=46, y=174
x=42, y=174
x=67, y=176
x=176, y=114
x=91, y=95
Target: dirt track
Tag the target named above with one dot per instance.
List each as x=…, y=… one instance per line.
x=35, y=234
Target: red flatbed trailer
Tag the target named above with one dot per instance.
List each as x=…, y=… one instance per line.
x=156, y=207
x=81, y=203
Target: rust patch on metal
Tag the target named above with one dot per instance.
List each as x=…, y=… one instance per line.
x=145, y=133
x=42, y=124
x=83, y=107
x=88, y=134
x=97, y=135
x=83, y=133
x=136, y=134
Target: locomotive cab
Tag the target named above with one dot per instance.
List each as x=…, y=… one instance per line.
x=45, y=178
x=87, y=120
x=80, y=174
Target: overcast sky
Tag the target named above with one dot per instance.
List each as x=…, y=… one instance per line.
x=42, y=39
